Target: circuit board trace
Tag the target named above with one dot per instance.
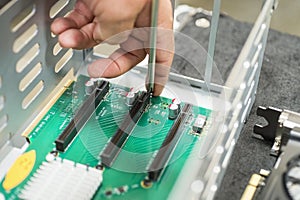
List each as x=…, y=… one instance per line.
x=124, y=179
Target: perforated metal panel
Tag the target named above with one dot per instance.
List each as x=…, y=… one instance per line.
x=32, y=63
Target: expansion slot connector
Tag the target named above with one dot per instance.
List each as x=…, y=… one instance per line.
x=81, y=116
x=118, y=140
x=168, y=146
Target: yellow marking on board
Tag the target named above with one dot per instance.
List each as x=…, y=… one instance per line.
x=20, y=170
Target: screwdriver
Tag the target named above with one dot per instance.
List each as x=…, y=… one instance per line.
x=152, y=47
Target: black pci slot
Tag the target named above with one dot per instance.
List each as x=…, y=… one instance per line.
x=168, y=146
x=118, y=140
x=81, y=116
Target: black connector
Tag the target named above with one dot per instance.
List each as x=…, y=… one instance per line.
x=82, y=116
x=272, y=115
x=166, y=150
x=113, y=148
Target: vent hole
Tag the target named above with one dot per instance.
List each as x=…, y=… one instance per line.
x=63, y=61
x=36, y=91
x=25, y=38
x=57, y=7
x=56, y=49
x=30, y=77
x=22, y=18
x=27, y=58
x=53, y=35
x=3, y=122
x=2, y=102
x=5, y=5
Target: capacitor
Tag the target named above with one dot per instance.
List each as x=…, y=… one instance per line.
x=89, y=87
x=177, y=102
x=173, y=111
x=130, y=97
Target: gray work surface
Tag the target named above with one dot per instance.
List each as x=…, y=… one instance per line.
x=279, y=86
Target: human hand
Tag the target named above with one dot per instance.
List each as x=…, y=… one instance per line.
x=95, y=21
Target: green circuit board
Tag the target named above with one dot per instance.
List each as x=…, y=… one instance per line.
x=130, y=167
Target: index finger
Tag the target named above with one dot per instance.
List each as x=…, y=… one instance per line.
x=80, y=16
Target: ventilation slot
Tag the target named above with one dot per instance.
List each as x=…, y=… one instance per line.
x=30, y=77
x=0, y=82
x=57, y=7
x=33, y=95
x=63, y=61
x=5, y=5
x=251, y=78
x=244, y=115
x=25, y=38
x=22, y=18
x=2, y=102
x=56, y=49
x=3, y=122
x=53, y=35
x=250, y=92
x=27, y=58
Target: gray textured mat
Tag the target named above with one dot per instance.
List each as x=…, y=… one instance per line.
x=279, y=86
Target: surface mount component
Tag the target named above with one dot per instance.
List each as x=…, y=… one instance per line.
x=81, y=116
x=114, y=146
x=167, y=148
x=60, y=168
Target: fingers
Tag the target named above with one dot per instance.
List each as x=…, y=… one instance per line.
x=112, y=32
x=132, y=51
x=79, y=17
x=95, y=21
x=130, y=54
x=115, y=17
x=78, y=38
x=75, y=30
x=92, y=22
